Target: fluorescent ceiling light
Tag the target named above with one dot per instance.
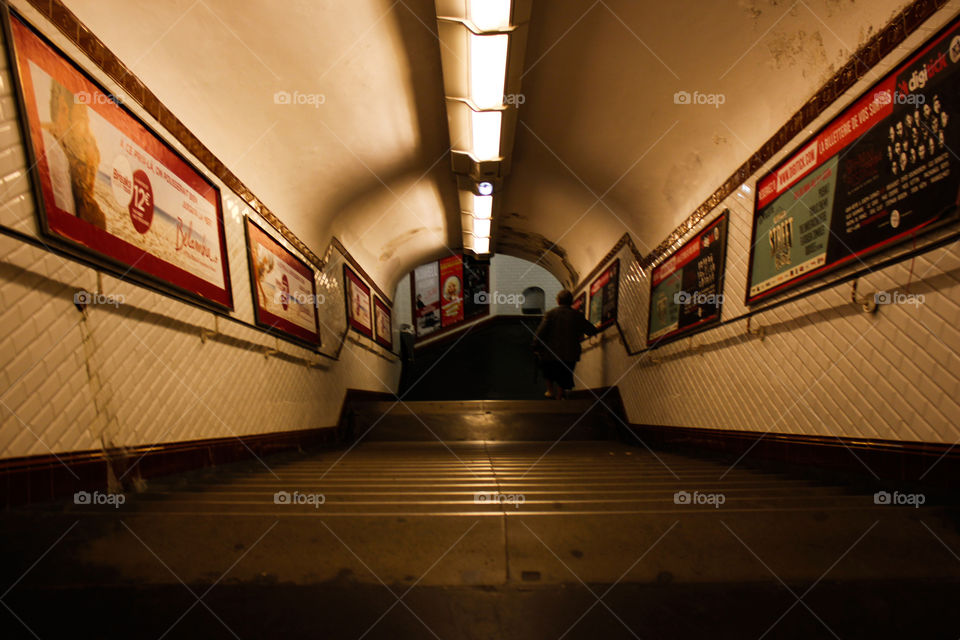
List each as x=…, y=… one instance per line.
x=488, y=68
x=490, y=15
x=483, y=207
x=481, y=245
x=485, y=126
x=481, y=228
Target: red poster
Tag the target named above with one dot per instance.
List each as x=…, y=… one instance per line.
x=111, y=187
x=451, y=291
x=284, y=291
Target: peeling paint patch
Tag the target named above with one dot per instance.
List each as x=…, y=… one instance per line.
x=683, y=178
x=390, y=249
x=719, y=139
x=797, y=49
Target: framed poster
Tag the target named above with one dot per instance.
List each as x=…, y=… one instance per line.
x=284, y=289
x=878, y=174
x=109, y=187
x=580, y=303
x=603, y=296
x=383, y=323
x=359, y=312
x=425, y=288
x=686, y=289
x=451, y=291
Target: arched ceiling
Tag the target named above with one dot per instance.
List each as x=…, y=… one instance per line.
x=601, y=147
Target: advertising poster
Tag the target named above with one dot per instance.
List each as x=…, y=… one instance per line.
x=580, y=303
x=686, y=289
x=359, y=313
x=451, y=291
x=112, y=188
x=284, y=290
x=383, y=323
x=426, y=302
x=603, y=296
x=878, y=174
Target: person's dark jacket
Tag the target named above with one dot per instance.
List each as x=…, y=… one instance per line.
x=559, y=334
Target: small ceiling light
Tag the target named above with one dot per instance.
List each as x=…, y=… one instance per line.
x=488, y=69
x=490, y=15
x=483, y=207
x=481, y=228
x=485, y=188
x=485, y=127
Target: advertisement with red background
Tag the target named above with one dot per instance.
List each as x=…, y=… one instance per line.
x=383, y=323
x=451, y=291
x=111, y=187
x=359, y=313
x=284, y=290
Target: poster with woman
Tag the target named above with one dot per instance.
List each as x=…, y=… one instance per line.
x=359, y=313
x=111, y=188
x=383, y=322
x=283, y=287
x=451, y=290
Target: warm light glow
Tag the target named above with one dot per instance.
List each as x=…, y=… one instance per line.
x=488, y=68
x=490, y=15
x=481, y=228
x=483, y=207
x=485, y=188
x=486, y=134
x=481, y=245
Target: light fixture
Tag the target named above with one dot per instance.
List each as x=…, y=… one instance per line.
x=483, y=207
x=488, y=69
x=490, y=15
x=481, y=245
x=485, y=129
x=485, y=188
x=481, y=227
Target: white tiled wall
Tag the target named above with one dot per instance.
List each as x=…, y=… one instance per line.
x=140, y=373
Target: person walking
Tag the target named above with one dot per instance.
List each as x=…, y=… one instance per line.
x=557, y=344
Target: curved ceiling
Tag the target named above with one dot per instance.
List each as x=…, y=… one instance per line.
x=601, y=146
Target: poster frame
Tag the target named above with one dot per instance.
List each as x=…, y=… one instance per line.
x=350, y=278
x=275, y=324
x=944, y=217
x=724, y=221
x=101, y=257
